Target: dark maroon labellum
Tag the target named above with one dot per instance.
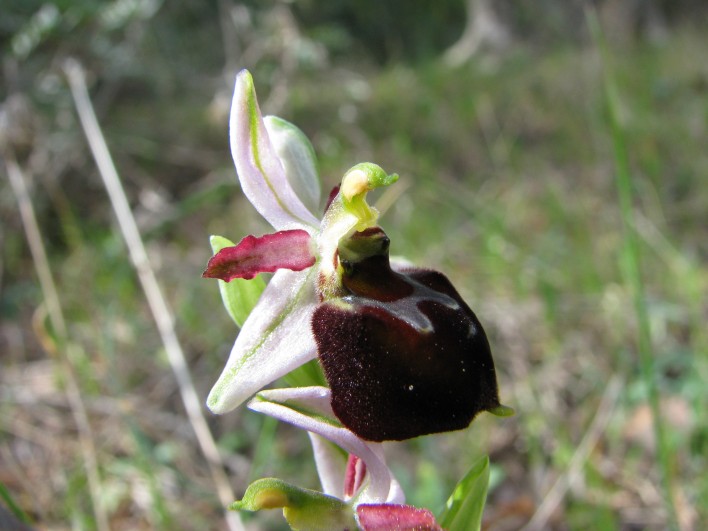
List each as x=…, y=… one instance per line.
x=402, y=352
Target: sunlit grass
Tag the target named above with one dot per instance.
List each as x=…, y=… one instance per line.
x=631, y=260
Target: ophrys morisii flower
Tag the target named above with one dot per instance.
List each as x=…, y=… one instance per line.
x=402, y=352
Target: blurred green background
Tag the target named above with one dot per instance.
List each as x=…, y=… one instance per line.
x=510, y=149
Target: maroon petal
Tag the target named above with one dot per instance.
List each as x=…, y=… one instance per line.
x=390, y=517
x=287, y=249
x=403, y=354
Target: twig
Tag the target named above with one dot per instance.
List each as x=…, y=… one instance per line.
x=53, y=308
x=565, y=481
x=156, y=300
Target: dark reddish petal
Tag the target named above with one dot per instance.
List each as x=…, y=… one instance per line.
x=403, y=354
x=354, y=476
x=390, y=517
x=287, y=249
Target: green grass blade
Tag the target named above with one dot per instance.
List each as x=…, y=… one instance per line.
x=464, y=507
x=263, y=452
x=632, y=266
x=15, y=509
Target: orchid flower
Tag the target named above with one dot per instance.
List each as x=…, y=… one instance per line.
x=402, y=352
x=359, y=494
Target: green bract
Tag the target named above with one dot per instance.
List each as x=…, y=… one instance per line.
x=304, y=509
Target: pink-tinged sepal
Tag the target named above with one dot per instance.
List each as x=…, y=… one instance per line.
x=402, y=352
x=387, y=517
x=354, y=475
x=287, y=249
x=261, y=173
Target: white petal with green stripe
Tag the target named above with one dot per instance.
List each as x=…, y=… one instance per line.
x=275, y=339
x=260, y=171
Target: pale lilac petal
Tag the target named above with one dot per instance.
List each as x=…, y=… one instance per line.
x=298, y=158
x=395, y=492
x=260, y=171
x=388, y=517
x=330, y=462
x=274, y=340
x=309, y=408
x=287, y=249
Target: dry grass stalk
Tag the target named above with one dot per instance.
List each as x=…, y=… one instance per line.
x=146, y=274
x=59, y=345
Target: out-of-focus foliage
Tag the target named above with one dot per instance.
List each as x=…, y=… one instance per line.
x=506, y=185
x=385, y=31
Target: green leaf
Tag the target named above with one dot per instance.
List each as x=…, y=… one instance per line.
x=306, y=375
x=464, y=507
x=240, y=295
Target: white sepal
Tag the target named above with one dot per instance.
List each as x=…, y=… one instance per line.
x=298, y=158
x=275, y=339
x=259, y=169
